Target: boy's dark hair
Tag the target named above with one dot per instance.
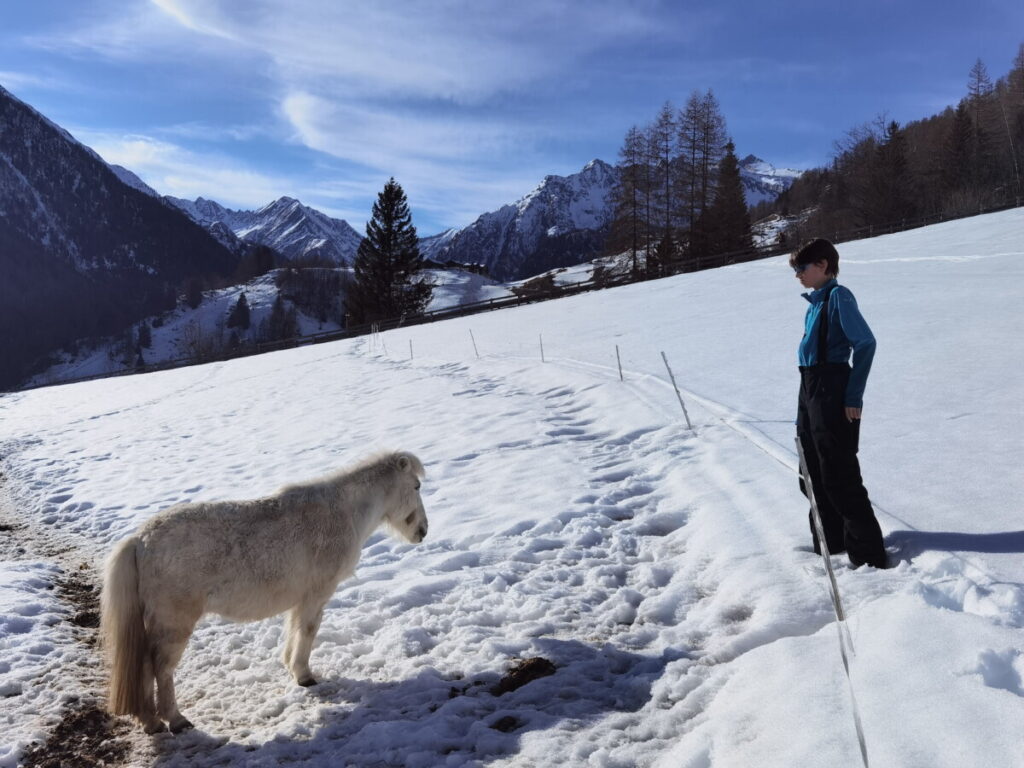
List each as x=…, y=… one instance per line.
x=817, y=250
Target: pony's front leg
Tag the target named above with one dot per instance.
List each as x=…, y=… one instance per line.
x=303, y=623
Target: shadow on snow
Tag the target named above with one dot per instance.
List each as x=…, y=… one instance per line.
x=913, y=543
x=431, y=721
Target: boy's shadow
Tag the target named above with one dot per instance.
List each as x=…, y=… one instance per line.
x=913, y=543
x=437, y=720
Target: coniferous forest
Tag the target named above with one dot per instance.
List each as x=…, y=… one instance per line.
x=676, y=196
x=966, y=159
x=679, y=195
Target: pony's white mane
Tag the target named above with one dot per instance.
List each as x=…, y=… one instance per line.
x=366, y=472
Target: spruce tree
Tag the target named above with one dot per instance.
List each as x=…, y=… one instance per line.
x=386, y=273
x=239, y=316
x=726, y=226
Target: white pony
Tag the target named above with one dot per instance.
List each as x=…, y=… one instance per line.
x=245, y=560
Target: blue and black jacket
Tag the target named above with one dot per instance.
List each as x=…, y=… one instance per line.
x=847, y=331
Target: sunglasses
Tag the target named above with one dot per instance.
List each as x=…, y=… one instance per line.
x=799, y=269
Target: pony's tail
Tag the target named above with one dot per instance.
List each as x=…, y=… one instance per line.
x=123, y=633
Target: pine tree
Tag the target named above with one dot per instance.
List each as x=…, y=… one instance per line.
x=892, y=198
x=277, y=322
x=957, y=151
x=626, y=230
x=662, y=261
x=239, y=316
x=387, y=281
x=703, y=147
x=727, y=222
x=194, y=292
x=663, y=145
x=982, y=108
x=689, y=144
x=145, y=336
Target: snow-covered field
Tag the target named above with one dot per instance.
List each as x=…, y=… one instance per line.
x=573, y=516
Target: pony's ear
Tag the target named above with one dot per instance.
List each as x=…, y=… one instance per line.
x=404, y=465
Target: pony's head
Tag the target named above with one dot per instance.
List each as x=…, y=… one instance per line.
x=406, y=515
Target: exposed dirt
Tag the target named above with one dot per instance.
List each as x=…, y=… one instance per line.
x=76, y=588
x=86, y=736
x=523, y=672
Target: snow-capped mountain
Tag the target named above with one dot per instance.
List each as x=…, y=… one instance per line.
x=81, y=252
x=560, y=223
x=432, y=245
x=763, y=181
x=296, y=231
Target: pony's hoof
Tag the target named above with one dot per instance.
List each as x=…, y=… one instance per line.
x=181, y=725
x=307, y=681
x=154, y=727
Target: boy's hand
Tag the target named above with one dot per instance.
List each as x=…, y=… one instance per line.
x=852, y=413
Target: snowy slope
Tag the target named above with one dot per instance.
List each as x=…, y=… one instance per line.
x=573, y=516
x=172, y=331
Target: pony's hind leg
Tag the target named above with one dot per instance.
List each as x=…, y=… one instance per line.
x=303, y=623
x=168, y=645
x=150, y=722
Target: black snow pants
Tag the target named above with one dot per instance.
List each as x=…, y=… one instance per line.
x=829, y=442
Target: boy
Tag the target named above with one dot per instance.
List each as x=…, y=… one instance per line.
x=829, y=410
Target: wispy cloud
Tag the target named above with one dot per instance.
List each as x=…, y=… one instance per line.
x=14, y=80
x=447, y=50
x=427, y=92
x=180, y=172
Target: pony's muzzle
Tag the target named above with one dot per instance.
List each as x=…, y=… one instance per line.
x=421, y=534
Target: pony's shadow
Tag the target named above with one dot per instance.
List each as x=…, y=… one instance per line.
x=912, y=543
x=440, y=721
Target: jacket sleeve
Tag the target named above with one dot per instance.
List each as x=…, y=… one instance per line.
x=863, y=342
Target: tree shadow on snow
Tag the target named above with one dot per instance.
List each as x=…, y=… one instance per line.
x=912, y=543
x=430, y=720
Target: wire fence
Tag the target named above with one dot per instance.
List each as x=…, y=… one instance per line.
x=529, y=295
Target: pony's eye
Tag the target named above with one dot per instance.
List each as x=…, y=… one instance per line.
x=417, y=485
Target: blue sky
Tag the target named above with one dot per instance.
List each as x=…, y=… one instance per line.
x=469, y=104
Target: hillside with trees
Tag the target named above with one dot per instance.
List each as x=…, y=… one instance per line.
x=679, y=195
x=966, y=159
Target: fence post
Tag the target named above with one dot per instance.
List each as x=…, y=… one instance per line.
x=410, y=349
x=619, y=360
x=541, y=337
x=676, y=387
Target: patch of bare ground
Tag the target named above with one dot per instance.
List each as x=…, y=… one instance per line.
x=86, y=734
x=524, y=671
